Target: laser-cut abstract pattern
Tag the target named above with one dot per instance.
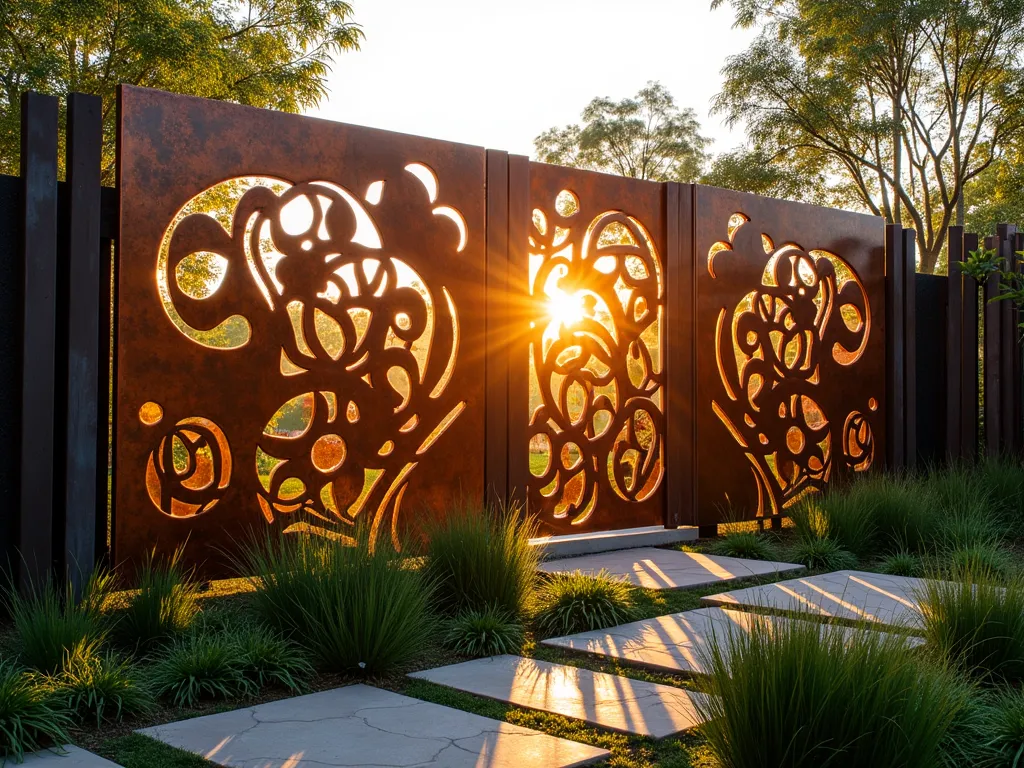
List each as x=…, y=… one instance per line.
x=789, y=336
x=596, y=434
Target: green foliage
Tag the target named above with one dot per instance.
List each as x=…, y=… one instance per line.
x=567, y=603
x=798, y=697
x=264, y=53
x=165, y=603
x=902, y=564
x=842, y=516
x=1005, y=731
x=30, y=716
x=904, y=516
x=487, y=632
x=745, y=544
x=977, y=624
x=265, y=658
x=351, y=608
x=1003, y=481
x=481, y=557
x=100, y=686
x=199, y=666
x=51, y=623
x=646, y=137
x=754, y=170
x=989, y=559
x=138, y=751
x=822, y=555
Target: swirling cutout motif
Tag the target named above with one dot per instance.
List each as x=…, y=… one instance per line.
x=190, y=468
x=596, y=429
x=810, y=310
x=380, y=344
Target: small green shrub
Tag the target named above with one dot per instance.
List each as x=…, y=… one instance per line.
x=902, y=564
x=745, y=544
x=101, y=687
x=30, y=716
x=573, y=602
x=352, y=609
x=977, y=624
x=165, y=604
x=480, y=557
x=489, y=632
x=199, y=666
x=51, y=623
x=822, y=555
x=799, y=697
x=266, y=658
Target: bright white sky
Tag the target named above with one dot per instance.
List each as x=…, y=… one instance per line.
x=498, y=72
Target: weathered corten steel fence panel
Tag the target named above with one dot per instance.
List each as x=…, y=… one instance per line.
x=790, y=350
x=595, y=319
x=300, y=326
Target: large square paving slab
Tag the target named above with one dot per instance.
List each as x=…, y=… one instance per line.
x=679, y=642
x=668, y=569
x=608, y=701
x=363, y=726
x=67, y=757
x=892, y=601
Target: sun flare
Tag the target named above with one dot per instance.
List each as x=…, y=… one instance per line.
x=566, y=308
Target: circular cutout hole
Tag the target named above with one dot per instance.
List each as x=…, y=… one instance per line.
x=150, y=413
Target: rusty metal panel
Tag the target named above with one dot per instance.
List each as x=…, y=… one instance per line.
x=300, y=326
x=790, y=350
x=596, y=313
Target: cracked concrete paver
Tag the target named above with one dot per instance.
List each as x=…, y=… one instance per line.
x=678, y=642
x=668, y=569
x=892, y=601
x=364, y=727
x=609, y=701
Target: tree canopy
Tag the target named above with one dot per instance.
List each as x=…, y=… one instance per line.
x=904, y=103
x=264, y=53
x=645, y=137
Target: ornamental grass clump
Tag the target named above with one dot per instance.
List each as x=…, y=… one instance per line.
x=902, y=564
x=165, y=603
x=839, y=517
x=481, y=557
x=745, y=544
x=795, y=696
x=567, y=603
x=489, y=632
x=199, y=666
x=1003, y=482
x=352, y=608
x=31, y=717
x=266, y=658
x=50, y=623
x=821, y=555
x=100, y=687
x=976, y=622
x=901, y=511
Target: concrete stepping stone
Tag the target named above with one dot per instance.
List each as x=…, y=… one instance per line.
x=677, y=643
x=609, y=701
x=364, y=726
x=668, y=569
x=67, y=757
x=891, y=601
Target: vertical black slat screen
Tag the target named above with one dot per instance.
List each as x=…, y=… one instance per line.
x=84, y=352
x=910, y=345
x=931, y=308
x=39, y=270
x=894, y=329
x=10, y=351
x=1006, y=234
x=969, y=359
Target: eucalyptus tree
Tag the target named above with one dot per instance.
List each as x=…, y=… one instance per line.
x=905, y=102
x=645, y=137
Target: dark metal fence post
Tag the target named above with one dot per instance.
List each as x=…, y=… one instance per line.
x=895, y=274
x=81, y=393
x=39, y=265
x=969, y=361
x=993, y=360
x=1005, y=234
x=954, y=341
x=910, y=346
